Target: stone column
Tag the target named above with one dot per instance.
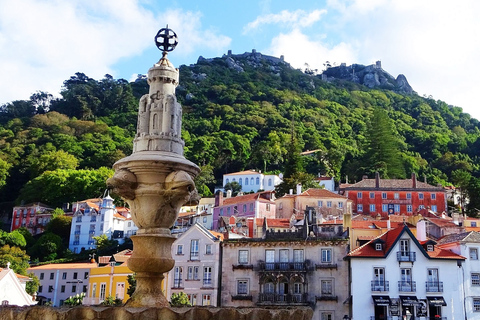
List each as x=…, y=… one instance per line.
x=156, y=180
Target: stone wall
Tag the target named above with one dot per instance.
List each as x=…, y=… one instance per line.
x=122, y=313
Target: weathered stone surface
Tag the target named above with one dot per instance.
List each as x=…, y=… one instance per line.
x=122, y=313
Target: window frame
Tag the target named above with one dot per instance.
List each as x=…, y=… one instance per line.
x=475, y=279
x=473, y=250
x=242, y=284
x=476, y=304
x=328, y=257
x=240, y=259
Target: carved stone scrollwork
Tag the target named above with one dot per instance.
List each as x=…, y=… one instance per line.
x=123, y=183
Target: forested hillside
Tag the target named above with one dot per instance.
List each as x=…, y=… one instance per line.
x=240, y=112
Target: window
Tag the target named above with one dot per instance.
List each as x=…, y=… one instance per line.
x=193, y=298
x=406, y=277
x=40, y=289
x=372, y=195
x=384, y=207
x=52, y=275
x=206, y=298
x=476, y=304
x=50, y=288
x=420, y=196
x=41, y=276
x=64, y=275
x=421, y=207
x=74, y=288
x=269, y=182
x=340, y=205
x=327, y=287
x=404, y=247
x=94, y=290
x=62, y=289
x=384, y=195
x=298, y=288
x=84, y=289
x=227, y=181
x=372, y=208
x=359, y=195
x=473, y=254
x=75, y=275
x=298, y=255
x=194, y=250
x=207, y=275
x=473, y=224
x=409, y=208
x=430, y=247
x=177, y=277
x=221, y=211
x=242, y=287
x=434, y=208
x=195, y=272
x=180, y=249
x=326, y=255
x=327, y=316
x=475, y=279
x=204, y=219
x=251, y=206
x=329, y=204
x=396, y=196
x=208, y=249
x=409, y=195
x=85, y=276
x=190, y=273
x=268, y=207
x=228, y=211
x=251, y=181
x=240, y=181
x=244, y=208
x=396, y=208
x=268, y=287
x=359, y=207
x=246, y=181
x=433, y=196
x=258, y=181
x=103, y=286
x=243, y=257
x=378, y=246
x=379, y=276
x=320, y=203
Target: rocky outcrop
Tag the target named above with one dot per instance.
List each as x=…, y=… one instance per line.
x=122, y=313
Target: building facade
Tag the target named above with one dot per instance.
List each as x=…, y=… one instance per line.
x=394, y=196
x=107, y=281
x=62, y=280
x=254, y=205
x=395, y=276
x=197, y=266
x=294, y=272
x=252, y=180
x=12, y=289
x=34, y=217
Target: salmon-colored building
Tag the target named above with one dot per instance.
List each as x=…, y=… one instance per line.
x=394, y=196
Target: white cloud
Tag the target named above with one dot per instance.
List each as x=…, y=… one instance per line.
x=295, y=19
x=43, y=43
x=298, y=49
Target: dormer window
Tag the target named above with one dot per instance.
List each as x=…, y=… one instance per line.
x=430, y=247
x=378, y=246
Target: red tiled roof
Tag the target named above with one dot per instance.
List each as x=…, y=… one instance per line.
x=246, y=198
x=392, y=184
x=318, y=193
x=242, y=173
x=119, y=216
x=64, y=266
x=274, y=223
x=439, y=253
x=442, y=222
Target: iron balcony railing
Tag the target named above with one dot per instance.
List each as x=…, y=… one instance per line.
x=406, y=256
x=434, y=286
x=276, y=298
x=177, y=283
x=380, y=285
x=283, y=266
x=407, y=286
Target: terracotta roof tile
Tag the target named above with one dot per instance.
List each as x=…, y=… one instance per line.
x=391, y=184
x=274, y=223
x=242, y=173
x=81, y=265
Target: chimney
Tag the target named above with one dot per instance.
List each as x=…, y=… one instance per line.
x=414, y=180
x=290, y=191
x=377, y=180
x=299, y=188
x=229, y=193
x=421, y=230
x=219, y=198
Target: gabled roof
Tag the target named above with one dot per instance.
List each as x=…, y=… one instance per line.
x=471, y=236
x=391, y=184
x=246, y=198
x=273, y=223
x=317, y=193
x=214, y=236
x=390, y=238
x=50, y=266
x=375, y=224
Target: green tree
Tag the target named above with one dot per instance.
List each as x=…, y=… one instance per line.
x=4, y=172
x=60, y=225
x=50, y=161
x=383, y=153
x=179, y=299
x=17, y=257
x=132, y=284
x=48, y=247
x=461, y=180
x=473, y=208
x=32, y=286
x=103, y=242
x=14, y=239
x=234, y=186
x=204, y=179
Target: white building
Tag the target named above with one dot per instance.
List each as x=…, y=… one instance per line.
x=197, y=266
x=95, y=217
x=467, y=244
x=252, y=180
x=395, y=276
x=12, y=288
x=61, y=280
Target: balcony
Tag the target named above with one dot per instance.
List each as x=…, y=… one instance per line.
x=379, y=286
x=275, y=298
x=434, y=286
x=207, y=282
x=326, y=266
x=177, y=284
x=407, y=286
x=406, y=256
x=326, y=297
x=242, y=297
x=283, y=266
x=242, y=266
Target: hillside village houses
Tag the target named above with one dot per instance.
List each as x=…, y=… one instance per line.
x=13, y=288
x=252, y=180
x=33, y=216
x=95, y=217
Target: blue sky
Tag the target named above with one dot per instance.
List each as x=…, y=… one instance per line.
x=434, y=43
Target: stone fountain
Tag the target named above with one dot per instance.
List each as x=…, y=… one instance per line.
x=156, y=180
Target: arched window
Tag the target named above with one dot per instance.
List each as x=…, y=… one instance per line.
x=246, y=181
x=268, y=291
x=240, y=181
x=258, y=181
x=269, y=182
x=251, y=181
x=233, y=180
x=227, y=181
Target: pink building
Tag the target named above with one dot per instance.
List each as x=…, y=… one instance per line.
x=254, y=205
